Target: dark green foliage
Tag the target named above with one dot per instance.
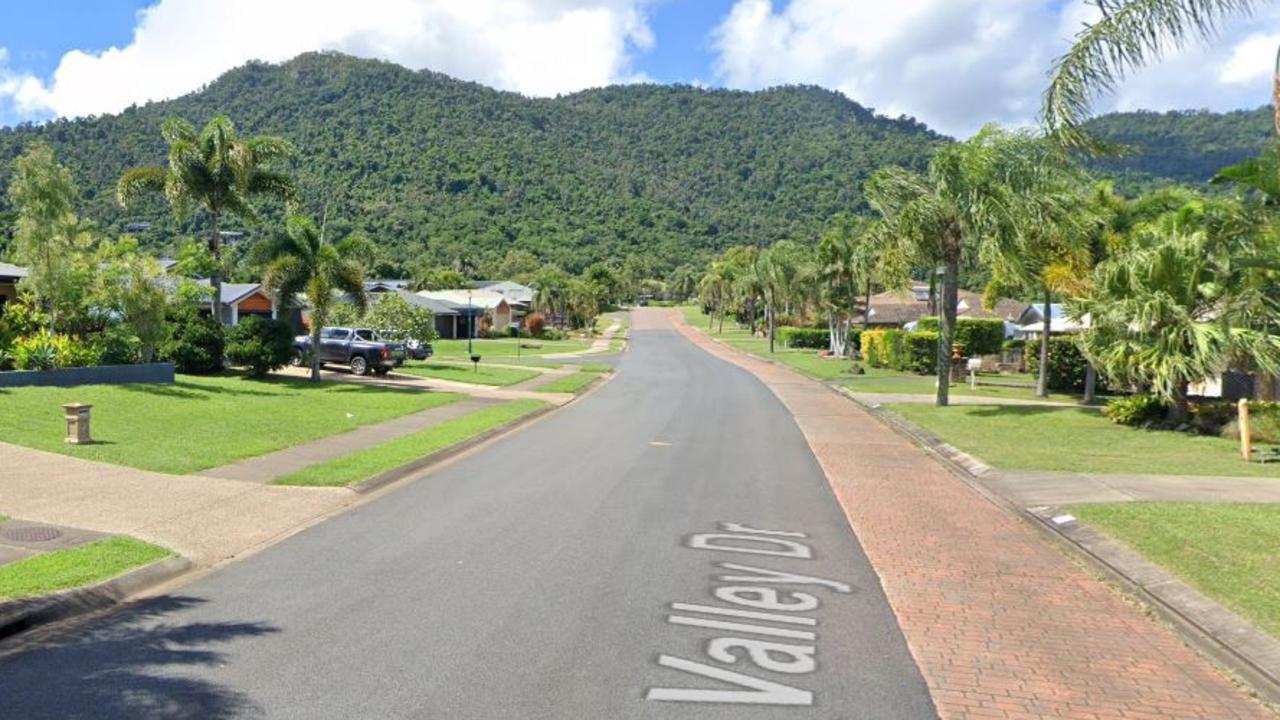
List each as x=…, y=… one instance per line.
x=1067, y=365
x=901, y=350
x=1136, y=410
x=978, y=336
x=117, y=346
x=810, y=338
x=439, y=172
x=195, y=344
x=1184, y=146
x=260, y=344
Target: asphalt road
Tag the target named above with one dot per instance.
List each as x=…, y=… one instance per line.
x=535, y=579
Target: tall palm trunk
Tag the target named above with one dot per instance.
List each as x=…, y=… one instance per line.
x=1090, y=384
x=768, y=311
x=866, y=309
x=215, y=279
x=1180, y=409
x=1042, y=381
x=721, y=330
x=315, y=348
x=950, y=298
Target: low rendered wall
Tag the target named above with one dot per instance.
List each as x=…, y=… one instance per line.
x=151, y=373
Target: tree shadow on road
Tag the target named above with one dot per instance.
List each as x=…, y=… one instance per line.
x=129, y=663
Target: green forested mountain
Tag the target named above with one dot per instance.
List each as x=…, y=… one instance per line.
x=438, y=170
x=1184, y=146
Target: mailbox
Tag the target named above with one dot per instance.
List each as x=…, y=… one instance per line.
x=77, y=416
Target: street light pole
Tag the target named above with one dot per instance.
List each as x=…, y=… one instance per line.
x=471, y=323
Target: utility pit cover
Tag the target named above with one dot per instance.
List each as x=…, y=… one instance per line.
x=32, y=533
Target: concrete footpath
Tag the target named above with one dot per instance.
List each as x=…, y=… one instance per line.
x=205, y=519
x=1001, y=623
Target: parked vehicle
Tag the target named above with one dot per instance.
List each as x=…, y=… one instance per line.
x=419, y=351
x=358, y=348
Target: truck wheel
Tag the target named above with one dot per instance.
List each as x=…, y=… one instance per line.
x=359, y=366
x=296, y=359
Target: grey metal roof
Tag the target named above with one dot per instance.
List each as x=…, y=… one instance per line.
x=234, y=292
x=14, y=271
x=438, y=307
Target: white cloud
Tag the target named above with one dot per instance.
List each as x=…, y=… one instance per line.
x=537, y=47
x=957, y=64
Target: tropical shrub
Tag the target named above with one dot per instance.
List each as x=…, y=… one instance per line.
x=74, y=352
x=535, y=323
x=978, y=336
x=919, y=352
x=195, y=344
x=1067, y=364
x=900, y=350
x=36, y=352
x=811, y=338
x=1222, y=418
x=1136, y=410
x=259, y=344
x=117, y=346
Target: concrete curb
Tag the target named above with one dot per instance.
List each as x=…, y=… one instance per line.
x=428, y=462
x=1251, y=655
x=19, y=615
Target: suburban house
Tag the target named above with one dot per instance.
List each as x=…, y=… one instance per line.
x=452, y=320
x=520, y=297
x=241, y=300
x=898, y=308
x=495, y=311
x=10, y=276
x=1059, y=323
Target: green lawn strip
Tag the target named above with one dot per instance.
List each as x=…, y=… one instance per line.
x=575, y=383
x=1077, y=440
x=1227, y=551
x=505, y=348
x=364, y=464
x=77, y=566
x=595, y=368
x=202, y=422
x=481, y=374
x=879, y=380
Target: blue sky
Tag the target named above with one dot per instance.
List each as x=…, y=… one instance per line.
x=955, y=64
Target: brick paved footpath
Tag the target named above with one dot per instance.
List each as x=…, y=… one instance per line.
x=1001, y=623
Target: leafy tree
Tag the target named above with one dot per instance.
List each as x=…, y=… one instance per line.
x=782, y=268
x=301, y=261
x=518, y=266
x=977, y=197
x=682, y=283
x=439, y=278
x=132, y=284
x=715, y=290
x=394, y=317
x=552, y=299
x=1129, y=34
x=48, y=236
x=217, y=171
x=846, y=257
x=1181, y=306
x=260, y=344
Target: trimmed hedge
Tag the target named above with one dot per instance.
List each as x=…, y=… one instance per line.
x=901, y=350
x=801, y=337
x=978, y=336
x=261, y=345
x=195, y=344
x=1067, y=365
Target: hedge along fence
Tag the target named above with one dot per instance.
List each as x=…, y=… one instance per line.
x=1067, y=365
x=901, y=350
x=978, y=336
x=813, y=338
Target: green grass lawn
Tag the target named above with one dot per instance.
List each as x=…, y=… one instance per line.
x=74, y=567
x=504, y=349
x=1077, y=440
x=575, y=383
x=482, y=374
x=201, y=422
x=595, y=368
x=364, y=464
x=1227, y=551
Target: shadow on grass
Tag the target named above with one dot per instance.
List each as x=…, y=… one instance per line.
x=1024, y=411
x=130, y=663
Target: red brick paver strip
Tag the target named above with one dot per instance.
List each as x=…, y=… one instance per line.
x=1001, y=623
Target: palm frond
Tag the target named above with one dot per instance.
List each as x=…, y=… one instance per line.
x=138, y=182
x=1129, y=34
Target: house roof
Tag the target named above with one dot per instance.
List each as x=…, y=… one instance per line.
x=233, y=293
x=438, y=307
x=13, y=271
x=486, y=299
x=899, y=307
x=385, y=284
x=513, y=291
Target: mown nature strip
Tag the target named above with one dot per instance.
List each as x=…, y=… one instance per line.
x=75, y=567
x=373, y=461
x=504, y=349
x=1227, y=551
x=202, y=422
x=480, y=375
x=1025, y=437
x=575, y=383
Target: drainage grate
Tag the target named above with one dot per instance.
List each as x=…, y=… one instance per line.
x=32, y=534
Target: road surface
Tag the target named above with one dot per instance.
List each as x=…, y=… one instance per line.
x=665, y=548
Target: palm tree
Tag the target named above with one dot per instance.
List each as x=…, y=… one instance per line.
x=1179, y=307
x=216, y=171
x=981, y=197
x=783, y=269
x=715, y=290
x=840, y=273
x=1129, y=34
x=301, y=262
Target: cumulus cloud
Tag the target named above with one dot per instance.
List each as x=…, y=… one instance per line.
x=537, y=47
x=957, y=64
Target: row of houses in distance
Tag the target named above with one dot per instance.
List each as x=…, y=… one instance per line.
x=459, y=312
